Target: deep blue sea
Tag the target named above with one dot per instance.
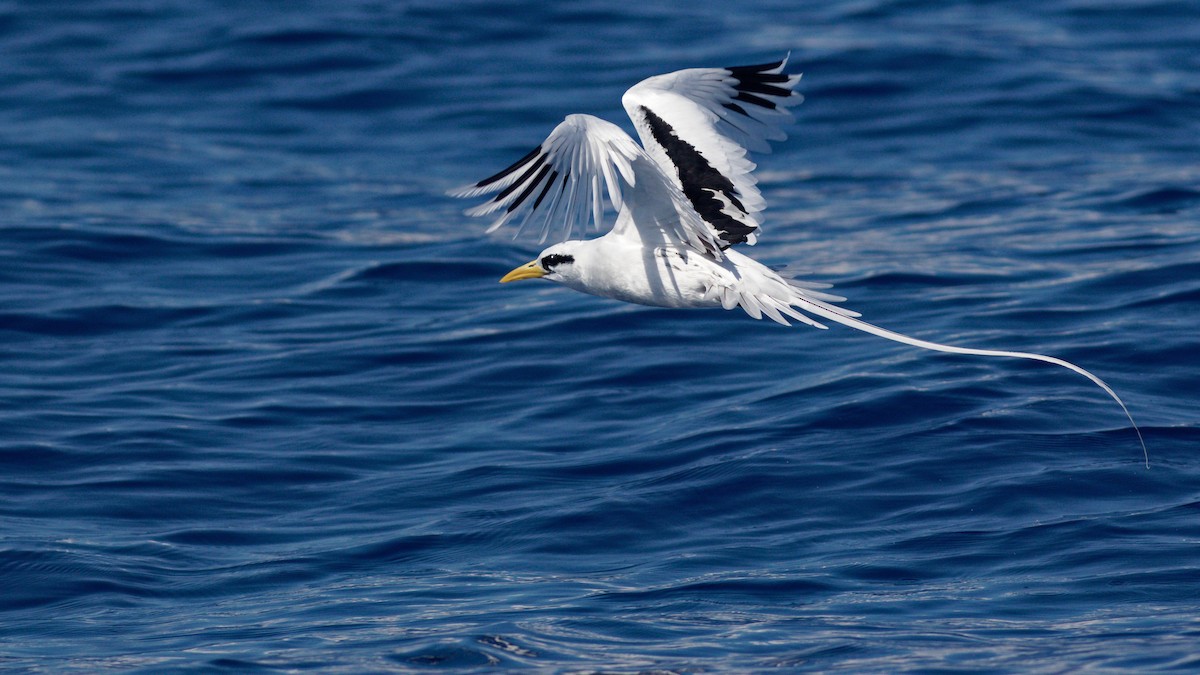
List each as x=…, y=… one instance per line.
x=263, y=405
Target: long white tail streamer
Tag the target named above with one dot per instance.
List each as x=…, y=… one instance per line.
x=815, y=308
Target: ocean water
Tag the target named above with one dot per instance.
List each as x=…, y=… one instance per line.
x=263, y=405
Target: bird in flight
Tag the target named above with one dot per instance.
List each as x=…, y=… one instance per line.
x=684, y=198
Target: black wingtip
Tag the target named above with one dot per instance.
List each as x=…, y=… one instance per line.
x=759, y=69
x=754, y=100
x=529, y=188
x=760, y=79
x=524, y=177
x=549, y=183
x=736, y=108
x=516, y=165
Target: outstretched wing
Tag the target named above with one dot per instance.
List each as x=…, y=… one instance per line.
x=699, y=124
x=557, y=188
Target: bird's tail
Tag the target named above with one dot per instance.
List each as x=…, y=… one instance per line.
x=827, y=312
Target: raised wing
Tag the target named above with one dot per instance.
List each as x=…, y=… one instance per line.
x=698, y=125
x=557, y=188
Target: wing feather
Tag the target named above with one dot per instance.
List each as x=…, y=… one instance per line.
x=556, y=189
x=699, y=125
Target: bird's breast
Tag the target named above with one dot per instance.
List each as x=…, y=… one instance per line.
x=659, y=277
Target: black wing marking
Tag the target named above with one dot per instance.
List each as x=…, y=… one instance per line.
x=702, y=184
x=516, y=165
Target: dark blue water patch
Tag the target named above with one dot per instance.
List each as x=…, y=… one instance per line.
x=447, y=657
x=111, y=245
x=98, y=320
x=915, y=281
x=1111, y=17
x=434, y=269
x=199, y=73
x=869, y=89
x=1164, y=200
x=1172, y=285
x=354, y=101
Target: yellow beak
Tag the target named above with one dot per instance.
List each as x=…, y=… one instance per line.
x=530, y=270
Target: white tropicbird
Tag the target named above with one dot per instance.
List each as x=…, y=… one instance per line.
x=684, y=197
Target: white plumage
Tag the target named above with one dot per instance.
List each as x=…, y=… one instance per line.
x=683, y=198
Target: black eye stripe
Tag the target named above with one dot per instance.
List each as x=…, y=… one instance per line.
x=553, y=259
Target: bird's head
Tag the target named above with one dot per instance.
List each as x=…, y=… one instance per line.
x=556, y=263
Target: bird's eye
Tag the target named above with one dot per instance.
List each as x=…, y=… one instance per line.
x=550, y=261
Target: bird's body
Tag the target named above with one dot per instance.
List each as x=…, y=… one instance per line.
x=684, y=198
x=622, y=269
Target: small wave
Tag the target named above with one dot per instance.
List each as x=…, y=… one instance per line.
x=1168, y=199
x=100, y=319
